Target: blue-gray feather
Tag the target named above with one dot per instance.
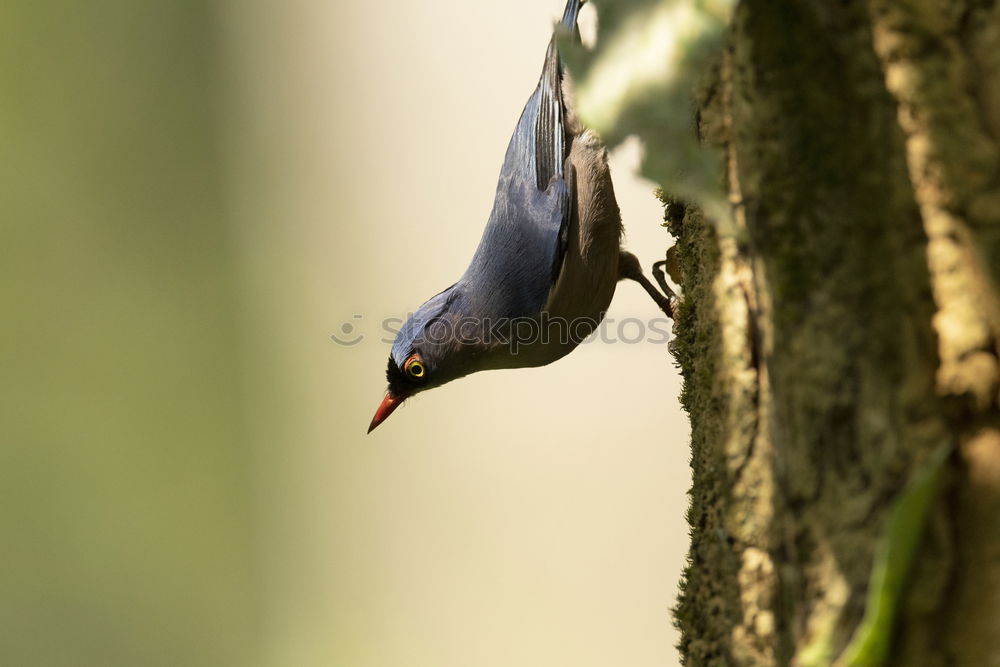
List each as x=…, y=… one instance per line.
x=513, y=268
x=550, y=134
x=521, y=252
x=571, y=12
x=522, y=248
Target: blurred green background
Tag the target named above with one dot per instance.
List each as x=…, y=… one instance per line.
x=194, y=197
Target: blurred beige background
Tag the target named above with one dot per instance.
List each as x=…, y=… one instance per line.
x=529, y=517
x=197, y=197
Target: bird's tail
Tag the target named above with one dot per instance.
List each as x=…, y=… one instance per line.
x=571, y=12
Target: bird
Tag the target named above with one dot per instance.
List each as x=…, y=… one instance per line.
x=549, y=260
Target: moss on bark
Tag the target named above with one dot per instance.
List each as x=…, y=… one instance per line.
x=844, y=329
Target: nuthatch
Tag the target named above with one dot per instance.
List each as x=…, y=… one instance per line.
x=548, y=262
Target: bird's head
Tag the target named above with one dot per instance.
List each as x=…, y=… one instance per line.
x=429, y=351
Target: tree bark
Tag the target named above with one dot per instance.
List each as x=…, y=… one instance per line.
x=845, y=330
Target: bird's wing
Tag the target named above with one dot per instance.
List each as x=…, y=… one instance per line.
x=522, y=249
x=523, y=245
x=550, y=134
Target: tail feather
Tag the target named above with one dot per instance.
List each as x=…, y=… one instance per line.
x=571, y=12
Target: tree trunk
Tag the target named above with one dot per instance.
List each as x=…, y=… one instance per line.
x=843, y=337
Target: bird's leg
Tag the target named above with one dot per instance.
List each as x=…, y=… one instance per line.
x=629, y=267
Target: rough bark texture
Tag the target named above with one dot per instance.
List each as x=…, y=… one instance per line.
x=845, y=329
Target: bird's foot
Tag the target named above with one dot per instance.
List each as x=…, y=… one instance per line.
x=630, y=268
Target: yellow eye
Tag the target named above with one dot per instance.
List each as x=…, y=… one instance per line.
x=414, y=367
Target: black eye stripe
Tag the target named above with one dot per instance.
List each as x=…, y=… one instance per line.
x=401, y=381
x=394, y=374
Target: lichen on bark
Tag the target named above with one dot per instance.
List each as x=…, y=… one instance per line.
x=844, y=328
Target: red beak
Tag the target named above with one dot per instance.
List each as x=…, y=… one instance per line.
x=389, y=403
